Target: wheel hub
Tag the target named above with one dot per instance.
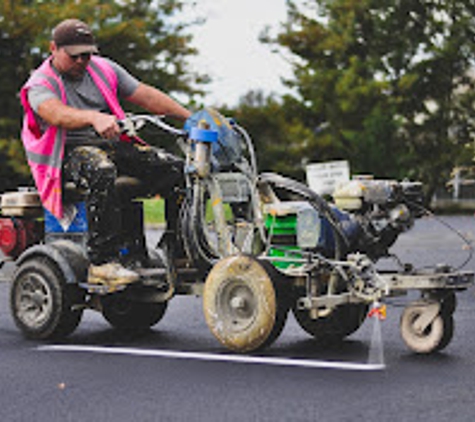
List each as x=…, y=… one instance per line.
x=237, y=305
x=34, y=301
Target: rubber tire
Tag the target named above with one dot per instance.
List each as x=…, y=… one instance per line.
x=282, y=291
x=343, y=321
x=449, y=303
x=124, y=314
x=260, y=320
x=449, y=328
x=435, y=338
x=57, y=318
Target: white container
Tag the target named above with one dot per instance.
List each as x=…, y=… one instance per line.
x=23, y=203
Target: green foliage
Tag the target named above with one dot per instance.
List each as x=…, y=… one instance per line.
x=275, y=132
x=383, y=84
x=13, y=168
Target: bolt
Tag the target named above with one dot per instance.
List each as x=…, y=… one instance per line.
x=238, y=302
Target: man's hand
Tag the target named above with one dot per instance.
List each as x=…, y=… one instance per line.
x=105, y=125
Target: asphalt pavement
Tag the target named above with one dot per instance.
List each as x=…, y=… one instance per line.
x=169, y=373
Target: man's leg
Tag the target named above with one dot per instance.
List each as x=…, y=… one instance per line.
x=92, y=170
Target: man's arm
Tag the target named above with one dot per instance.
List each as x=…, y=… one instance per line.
x=158, y=102
x=55, y=113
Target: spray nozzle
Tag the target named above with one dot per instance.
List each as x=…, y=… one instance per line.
x=378, y=310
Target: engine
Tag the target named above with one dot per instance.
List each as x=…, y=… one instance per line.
x=379, y=210
x=367, y=215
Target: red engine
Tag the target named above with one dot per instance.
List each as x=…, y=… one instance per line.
x=20, y=226
x=17, y=234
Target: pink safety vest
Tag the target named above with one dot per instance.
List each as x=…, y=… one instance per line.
x=45, y=150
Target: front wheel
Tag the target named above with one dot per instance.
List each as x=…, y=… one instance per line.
x=425, y=340
x=42, y=303
x=124, y=314
x=245, y=303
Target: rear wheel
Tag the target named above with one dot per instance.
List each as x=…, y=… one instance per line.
x=332, y=324
x=124, y=314
x=340, y=323
x=42, y=303
x=244, y=303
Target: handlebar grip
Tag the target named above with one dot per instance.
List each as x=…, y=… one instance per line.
x=127, y=127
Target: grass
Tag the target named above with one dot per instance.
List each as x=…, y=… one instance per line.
x=154, y=211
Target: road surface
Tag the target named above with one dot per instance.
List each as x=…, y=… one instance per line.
x=178, y=372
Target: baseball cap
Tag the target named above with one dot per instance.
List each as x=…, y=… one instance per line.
x=75, y=37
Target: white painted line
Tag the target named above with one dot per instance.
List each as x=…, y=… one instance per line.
x=172, y=354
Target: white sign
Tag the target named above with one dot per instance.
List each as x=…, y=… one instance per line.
x=324, y=177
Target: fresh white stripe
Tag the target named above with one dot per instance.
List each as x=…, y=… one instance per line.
x=172, y=354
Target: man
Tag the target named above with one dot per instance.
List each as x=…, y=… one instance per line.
x=70, y=133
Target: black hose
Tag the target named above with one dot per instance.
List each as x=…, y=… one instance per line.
x=429, y=213
x=192, y=220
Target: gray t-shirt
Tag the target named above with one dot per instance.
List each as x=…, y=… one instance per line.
x=84, y=94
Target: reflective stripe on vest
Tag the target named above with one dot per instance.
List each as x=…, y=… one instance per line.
x=55, y=159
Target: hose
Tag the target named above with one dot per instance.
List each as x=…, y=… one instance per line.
x=250, y=148
x=467, y=242
x=192, y=221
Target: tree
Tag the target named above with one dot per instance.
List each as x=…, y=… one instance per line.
x=380, y=80
x=147, y=36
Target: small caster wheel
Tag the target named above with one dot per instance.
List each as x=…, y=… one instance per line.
x=426, y=337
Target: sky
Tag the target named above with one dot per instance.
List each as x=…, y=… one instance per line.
x=230, y=52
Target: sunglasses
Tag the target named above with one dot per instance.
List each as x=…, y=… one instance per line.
x=83, y=56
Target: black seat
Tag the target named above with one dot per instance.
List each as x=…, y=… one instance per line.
x=128, y=187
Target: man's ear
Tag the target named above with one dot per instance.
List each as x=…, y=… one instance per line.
x=52, y=46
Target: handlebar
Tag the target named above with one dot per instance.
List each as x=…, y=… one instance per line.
x=130, y=125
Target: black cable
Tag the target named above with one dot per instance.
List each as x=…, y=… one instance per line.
x=448, y=226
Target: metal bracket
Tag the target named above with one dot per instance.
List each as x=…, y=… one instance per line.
x=428, y=281
x=329, y=301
